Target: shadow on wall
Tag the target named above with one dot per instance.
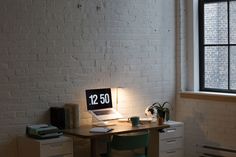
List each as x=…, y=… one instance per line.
x=196, y=139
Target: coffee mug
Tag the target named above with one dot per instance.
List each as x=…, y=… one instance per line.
x=134, y=120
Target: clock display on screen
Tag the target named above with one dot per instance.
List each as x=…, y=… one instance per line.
x=98, y=98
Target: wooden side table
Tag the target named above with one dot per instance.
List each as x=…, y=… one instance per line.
x=29, y=147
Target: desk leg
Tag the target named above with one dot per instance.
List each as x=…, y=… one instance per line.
x=93, y=152
x=98, y=145
x=153, y=148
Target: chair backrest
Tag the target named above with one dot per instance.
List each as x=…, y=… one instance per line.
x=129, y=141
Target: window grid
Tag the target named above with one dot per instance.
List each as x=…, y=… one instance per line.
x=202, y=46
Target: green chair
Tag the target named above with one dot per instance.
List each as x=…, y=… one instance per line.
x=129, y=141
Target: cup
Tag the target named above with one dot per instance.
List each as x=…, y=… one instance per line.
x=134, y=120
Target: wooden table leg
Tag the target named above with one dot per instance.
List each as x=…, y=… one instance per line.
x=93, y=152
x=153, y=148
x=99, y=145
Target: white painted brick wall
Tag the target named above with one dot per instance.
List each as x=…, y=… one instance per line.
x=51, y=51
x=205, y=121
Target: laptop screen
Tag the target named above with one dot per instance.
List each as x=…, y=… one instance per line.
x=98, y=98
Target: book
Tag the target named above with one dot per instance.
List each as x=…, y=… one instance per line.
x=100, y=129
x=69, y=116
x=72, y=114
x=57, y=117
x=76, y=114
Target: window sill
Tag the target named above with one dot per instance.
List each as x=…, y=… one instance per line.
x=208, y=96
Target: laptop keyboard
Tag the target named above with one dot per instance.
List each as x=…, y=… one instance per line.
x=104, y=112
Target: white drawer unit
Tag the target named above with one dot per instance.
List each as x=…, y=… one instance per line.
x=172, y=153
x=55, y=147
x=171, y=143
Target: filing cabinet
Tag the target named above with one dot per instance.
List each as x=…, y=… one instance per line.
x=55, y=147
x=171, y=141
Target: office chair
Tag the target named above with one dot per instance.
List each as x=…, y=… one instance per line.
x=129, y=141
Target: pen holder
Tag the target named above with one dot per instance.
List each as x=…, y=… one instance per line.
x=160, y=120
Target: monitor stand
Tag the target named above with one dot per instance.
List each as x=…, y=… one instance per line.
x=102, y=123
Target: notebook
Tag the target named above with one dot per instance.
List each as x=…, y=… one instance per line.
x=100, y=129
x=99, y=104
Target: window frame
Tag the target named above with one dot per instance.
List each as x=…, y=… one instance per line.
x=202, y=47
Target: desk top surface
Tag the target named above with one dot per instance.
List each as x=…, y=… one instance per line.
x=120, y=127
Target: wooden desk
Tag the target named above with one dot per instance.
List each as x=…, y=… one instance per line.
x=120, y=127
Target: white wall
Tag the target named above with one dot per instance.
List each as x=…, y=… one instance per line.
x=206, y=121
x=51, y=51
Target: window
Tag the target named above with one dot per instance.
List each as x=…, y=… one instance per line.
x=217, y=45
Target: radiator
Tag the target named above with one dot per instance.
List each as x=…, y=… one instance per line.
x=215, y=151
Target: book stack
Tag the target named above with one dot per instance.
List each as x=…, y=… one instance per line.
x=66, y=117
x=71, y=116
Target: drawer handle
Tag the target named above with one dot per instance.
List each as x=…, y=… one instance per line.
x=171, y=152
x=56, y=145
x=171, y=141
x=171, y=130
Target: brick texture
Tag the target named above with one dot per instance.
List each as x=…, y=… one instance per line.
x=205, y=121
x=52, y=50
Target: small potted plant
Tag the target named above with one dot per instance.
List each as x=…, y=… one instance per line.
x=160, y=110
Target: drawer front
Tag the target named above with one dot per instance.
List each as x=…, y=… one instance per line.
x=68, y=155
x=173, y=143
x=172, y=153
x=172, y=132
x=56, y=149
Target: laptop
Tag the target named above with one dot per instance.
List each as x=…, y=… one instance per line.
x=99, y=104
